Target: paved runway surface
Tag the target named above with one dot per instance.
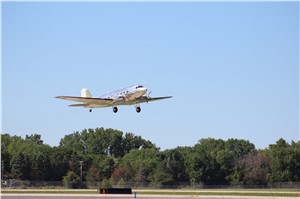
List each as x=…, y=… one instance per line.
x=88, y=196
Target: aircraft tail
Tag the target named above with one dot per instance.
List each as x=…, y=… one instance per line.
x=85, y=93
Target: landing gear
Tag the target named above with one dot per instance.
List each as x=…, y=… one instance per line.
x=138, y=109
x=115, y=109
x=90, y=110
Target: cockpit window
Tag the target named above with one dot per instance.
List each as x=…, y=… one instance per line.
x=139, y=86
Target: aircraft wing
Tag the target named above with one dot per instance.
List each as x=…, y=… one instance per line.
x=88, y=100
x=79, y=105
x=149, y=99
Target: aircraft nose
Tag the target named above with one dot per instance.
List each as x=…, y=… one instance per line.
x=144, y=90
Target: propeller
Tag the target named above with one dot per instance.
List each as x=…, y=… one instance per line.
x=148, y=96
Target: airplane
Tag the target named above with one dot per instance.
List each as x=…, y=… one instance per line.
x=132, y=95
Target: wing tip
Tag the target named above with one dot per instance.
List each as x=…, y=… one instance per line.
x=60, y=97
x=166, y=97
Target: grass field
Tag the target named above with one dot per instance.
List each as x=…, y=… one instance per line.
x=218, y=192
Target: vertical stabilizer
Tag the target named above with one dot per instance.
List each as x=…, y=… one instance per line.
x=85, y=93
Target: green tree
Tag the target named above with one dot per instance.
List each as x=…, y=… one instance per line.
x=126, y=158
x=14, y=144
x=295, y=162
x=71, y=180
x=285, y=161
x=160, y=178
x=59, y=163
x=20, y=167
x=36, y=138
x=102, y=141
x=40, y=167
x=132, y=142
x=213, y=160
x=101, y=168
x=172, y=163
x=144, y=160
x=5, y=155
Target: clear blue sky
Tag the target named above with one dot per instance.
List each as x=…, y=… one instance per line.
x=233, y=69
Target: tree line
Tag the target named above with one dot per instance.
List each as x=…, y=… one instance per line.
x=111, y=157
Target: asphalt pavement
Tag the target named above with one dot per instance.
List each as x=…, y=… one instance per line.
x=130, y=196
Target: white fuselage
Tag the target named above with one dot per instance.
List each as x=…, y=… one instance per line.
x=127, y=94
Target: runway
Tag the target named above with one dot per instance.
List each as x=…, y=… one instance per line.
x=141, y=196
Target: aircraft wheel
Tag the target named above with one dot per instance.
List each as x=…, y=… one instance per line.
x=115, y=109
x=138, y=109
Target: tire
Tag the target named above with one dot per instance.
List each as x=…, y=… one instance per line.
x=138, y=109
x=115, y=109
